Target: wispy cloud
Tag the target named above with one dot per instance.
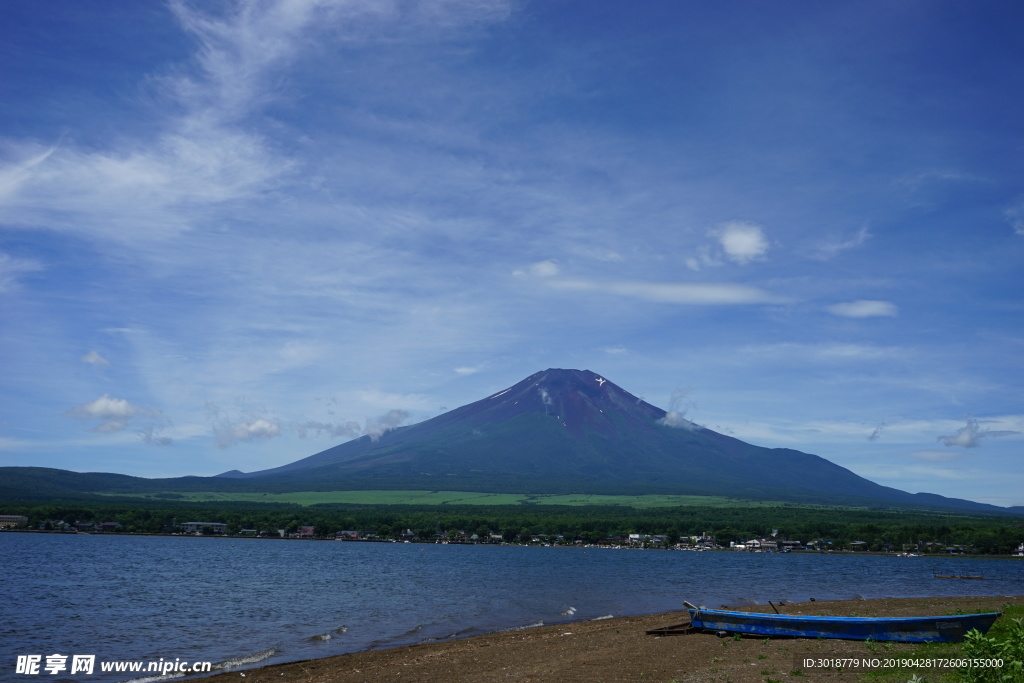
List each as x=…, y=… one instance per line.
x=94, y=358
x=373, y=427
x=876, y=434
x=972, y=434
x=203, y=156
x=822, y=352
x=687, y=293
x=829, y=250
x=540, y=269
x=684, y=293
x=12, y=268
x=864, y=308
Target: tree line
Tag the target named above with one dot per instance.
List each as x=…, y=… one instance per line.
x=836, y=528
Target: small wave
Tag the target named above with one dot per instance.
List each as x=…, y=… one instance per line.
x=415, y=629
x=606, y=616
x=154, y=679
x=322, y=636
x=341, y=629
x=459, y=634
x=245, y=659
x=523, y=628
x=568, y=612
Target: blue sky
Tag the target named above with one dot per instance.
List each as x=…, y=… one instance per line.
x=233, y=235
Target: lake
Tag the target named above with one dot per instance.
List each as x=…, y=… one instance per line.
x=255, y=600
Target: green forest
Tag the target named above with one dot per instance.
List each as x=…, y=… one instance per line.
x=829, y=528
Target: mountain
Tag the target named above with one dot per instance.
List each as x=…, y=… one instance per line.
x=573, y=431
x=557, y=431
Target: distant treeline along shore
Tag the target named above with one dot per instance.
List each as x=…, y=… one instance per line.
x=754, y=528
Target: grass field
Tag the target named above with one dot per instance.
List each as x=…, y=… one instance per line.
x=455, y=498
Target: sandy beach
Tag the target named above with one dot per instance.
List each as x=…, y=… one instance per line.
x=617, y=650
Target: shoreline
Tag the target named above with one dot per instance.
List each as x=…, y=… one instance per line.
x=802, y=551
x=616, y=649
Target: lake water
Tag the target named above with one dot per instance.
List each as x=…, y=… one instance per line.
x=250, y=600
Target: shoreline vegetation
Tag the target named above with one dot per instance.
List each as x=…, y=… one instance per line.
x=620, y=650
x=779, y=527
x=623, y=545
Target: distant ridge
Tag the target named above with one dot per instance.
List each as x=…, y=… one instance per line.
x=557, y=431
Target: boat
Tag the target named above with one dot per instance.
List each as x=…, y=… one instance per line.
x=939, y=629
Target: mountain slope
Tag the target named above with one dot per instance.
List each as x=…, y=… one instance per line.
x=562, y=431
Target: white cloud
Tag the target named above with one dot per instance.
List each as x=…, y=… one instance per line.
x=738, y=241
x=545, y=398
x=376, y=427
x=687, y=293
x=94, y=358
x=541, y=269
x=259, y=429
x=468, y=370
x=117, y=414
x=107, y=408
x=675, y=416
x=742, y=242
x=864, y=309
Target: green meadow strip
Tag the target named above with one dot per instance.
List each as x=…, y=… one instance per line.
x=453, y=498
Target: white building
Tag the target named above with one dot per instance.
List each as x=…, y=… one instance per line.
x=12, y=520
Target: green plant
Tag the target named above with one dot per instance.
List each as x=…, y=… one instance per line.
x=1009, y=647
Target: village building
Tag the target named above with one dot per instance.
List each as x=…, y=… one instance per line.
x=12, y=520
x=197, y=527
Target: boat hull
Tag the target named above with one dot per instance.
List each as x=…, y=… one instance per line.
x=943, y=629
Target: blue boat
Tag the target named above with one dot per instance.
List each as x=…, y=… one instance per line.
x=943, y=629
